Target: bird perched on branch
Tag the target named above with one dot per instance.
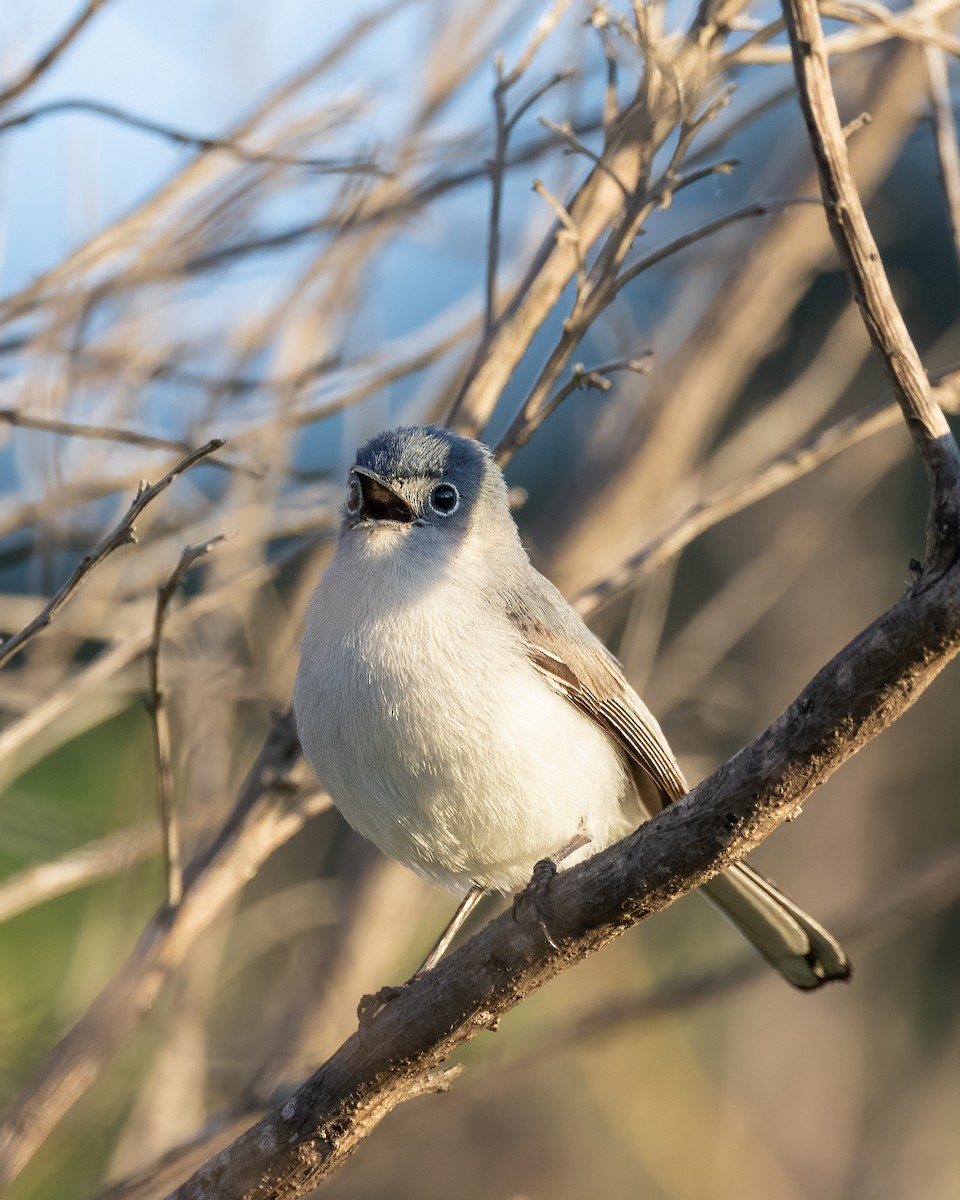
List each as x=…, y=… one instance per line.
x=463, y=717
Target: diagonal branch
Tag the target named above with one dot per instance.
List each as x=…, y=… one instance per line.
x=52, y=53
x=121, y=535
x=862, y=691
x=732, y=498
x=861, y=260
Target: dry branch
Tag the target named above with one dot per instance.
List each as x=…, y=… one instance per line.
x=640, y=130
x=122, y=534
x=871, y=289
x=857, y=695
x=160, y=720
x=784, y=469
x=945, y=131
x=183, y=137
x=46, y=60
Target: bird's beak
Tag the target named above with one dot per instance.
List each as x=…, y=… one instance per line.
x=380, y=502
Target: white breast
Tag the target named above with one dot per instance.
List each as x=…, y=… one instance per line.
x=437, y=738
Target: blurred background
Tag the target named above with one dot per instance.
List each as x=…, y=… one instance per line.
x=272, y=223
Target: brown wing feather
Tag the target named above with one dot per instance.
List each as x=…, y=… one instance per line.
x=592, y=679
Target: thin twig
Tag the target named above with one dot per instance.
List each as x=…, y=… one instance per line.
x=123, y=534
x=908, y=27
x=504, y=127
x=945, y=131
x=127, y=437
x=759, y=208
x=535, y=408
x=861, y=260
x=183, y=137
x=568, y=232
x=727, y=501
x=52, y=53
x=496, y=195
x=591, y=378
x=641, y=128
x=160, y=720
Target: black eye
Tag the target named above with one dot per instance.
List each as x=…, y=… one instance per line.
x=444, y=499
x=354, y=495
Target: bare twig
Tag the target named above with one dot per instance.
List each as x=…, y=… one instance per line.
x=496, y=194
x=912, y=29
x=183, y=137
x=726, y=501
x=861, y=259
x=111, y=433
x=122, y=534
x=535, y=408
x=52, y=53
x=639, y=131
x=945, y=130
x=504, y=127
x=872, y=29
x=759, y=208
x=590, y=378
x=160, y=720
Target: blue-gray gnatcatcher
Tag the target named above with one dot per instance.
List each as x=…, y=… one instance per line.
x=463, y=717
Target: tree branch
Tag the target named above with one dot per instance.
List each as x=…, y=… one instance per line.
x=121, y=535
x=863, y=690
x=160, y=720
x=183, y=137
x=871, y=288
x=727, y=501
x=52, y=53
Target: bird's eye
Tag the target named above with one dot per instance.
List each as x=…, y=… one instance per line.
x=354, y=495
x=444, y=499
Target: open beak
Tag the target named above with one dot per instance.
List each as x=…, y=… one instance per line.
x=380, y=502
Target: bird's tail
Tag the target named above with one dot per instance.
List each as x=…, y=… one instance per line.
x=790, y=940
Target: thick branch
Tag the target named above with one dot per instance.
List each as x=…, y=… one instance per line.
x=871, y=288
x=856, y=696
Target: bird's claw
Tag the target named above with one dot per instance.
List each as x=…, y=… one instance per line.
x=372, y=1004
x=534, y=894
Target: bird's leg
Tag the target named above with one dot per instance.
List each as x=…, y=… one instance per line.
x=454, y=925
x=543, y=872
x=370, y=1005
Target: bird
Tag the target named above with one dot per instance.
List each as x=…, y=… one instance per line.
x=463, y=717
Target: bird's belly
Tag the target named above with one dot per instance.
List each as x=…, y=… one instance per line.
x=465, y=771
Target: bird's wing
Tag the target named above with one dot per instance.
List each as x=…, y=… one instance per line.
x=581, y=668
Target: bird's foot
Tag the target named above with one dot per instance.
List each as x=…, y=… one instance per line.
x=534, y=896
x=372, y=1004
